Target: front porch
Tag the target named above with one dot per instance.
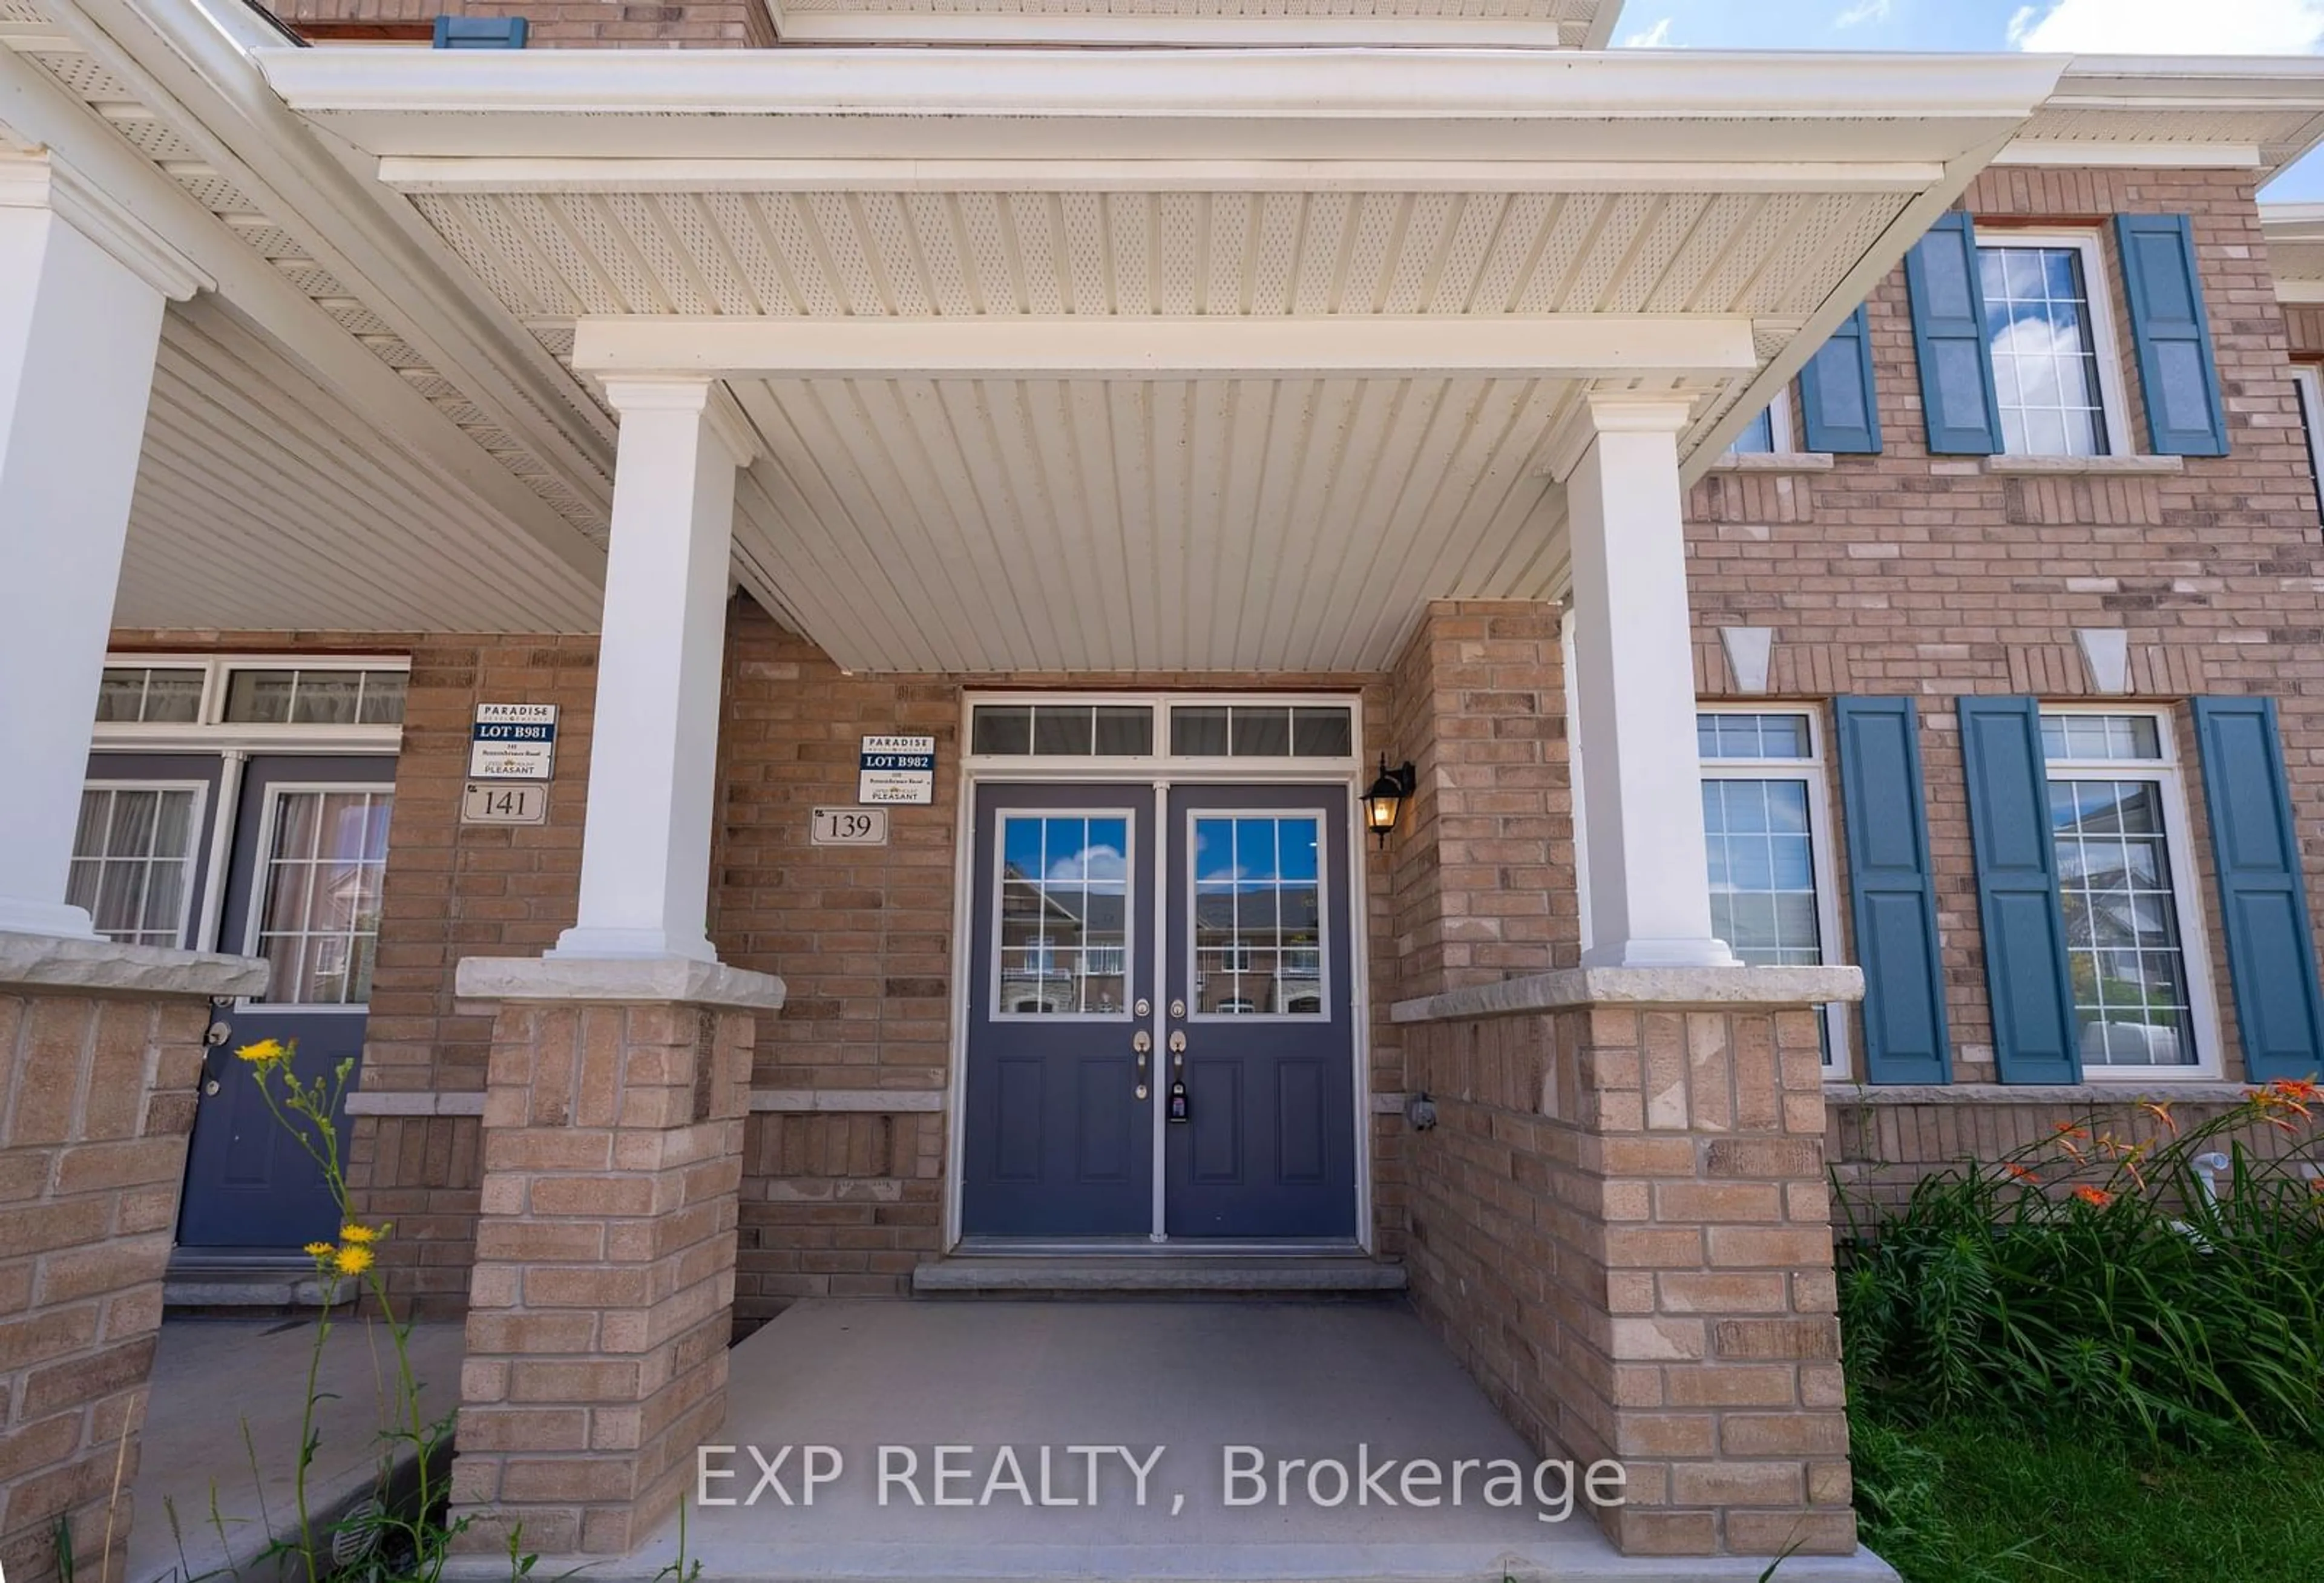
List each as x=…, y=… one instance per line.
x=1318, y=1382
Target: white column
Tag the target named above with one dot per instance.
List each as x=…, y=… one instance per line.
x=654, y=757
x=1640, y=791
x=82, y=288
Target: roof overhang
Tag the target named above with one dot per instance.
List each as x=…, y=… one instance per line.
x=1008, y=323
x=2259, y=112
x=2296, y=250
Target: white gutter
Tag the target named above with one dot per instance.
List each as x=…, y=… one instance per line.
x=188, y=66
x=1170, y=85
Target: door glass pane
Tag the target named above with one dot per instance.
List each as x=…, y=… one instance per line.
x=131, y=863
x=1064, y=934
x=1259, y=945
x=2123, y=952
x=320, y=919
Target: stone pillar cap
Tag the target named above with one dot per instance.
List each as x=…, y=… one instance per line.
x=628, y=979
x=1699, y=987
x=57, y=961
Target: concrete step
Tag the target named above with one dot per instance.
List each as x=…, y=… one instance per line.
x=1157, y=1275
x=203, y=1280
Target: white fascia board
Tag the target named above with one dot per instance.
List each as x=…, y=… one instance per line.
x=34, y=106
x=434, y=173
x=2291, y=222
x=1180, y=32
x=2299, y=293
x=1314, y=84
x=181, y=65
x=2146, y=155
x=1563, y=346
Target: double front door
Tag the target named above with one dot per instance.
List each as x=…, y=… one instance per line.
x=1162, y=1014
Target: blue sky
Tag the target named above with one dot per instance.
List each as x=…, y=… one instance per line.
x=2254, y=27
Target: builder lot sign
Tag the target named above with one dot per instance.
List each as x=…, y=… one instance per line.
x=512, y=742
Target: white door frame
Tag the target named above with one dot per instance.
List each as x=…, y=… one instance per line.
x=1159, y=771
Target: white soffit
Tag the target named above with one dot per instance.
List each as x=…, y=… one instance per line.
x=2263, y=112
x=265, y=503
x=1249, y=524
x=560, y=256
x=2296, y=250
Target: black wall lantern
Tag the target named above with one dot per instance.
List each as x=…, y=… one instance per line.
x=1385, y=802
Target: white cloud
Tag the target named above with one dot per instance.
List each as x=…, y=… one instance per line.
x=1864, y=11
x=1649, y=38
x=2169, y=27
x=1094, y=862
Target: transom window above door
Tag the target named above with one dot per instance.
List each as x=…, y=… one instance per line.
x=1212, y=728
x=266, y=699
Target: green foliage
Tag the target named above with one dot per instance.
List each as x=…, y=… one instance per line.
x=2087, y=1284
x=403, y=1533
x=1968, y=1501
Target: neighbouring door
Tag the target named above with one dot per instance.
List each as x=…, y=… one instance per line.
x=1261, y=1014
x=1110, y=959
x=303, y=890
x=1059, y=1138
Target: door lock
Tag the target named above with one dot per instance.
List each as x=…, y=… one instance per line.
x=1142, y=1040
x=1144, y=1008
x=1177, y=1041
x=1177, y=1008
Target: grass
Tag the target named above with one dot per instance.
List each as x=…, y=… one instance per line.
x=1960, y=1501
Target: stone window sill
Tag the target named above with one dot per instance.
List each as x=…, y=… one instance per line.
x=1773, y=462
x=2120, y=1092
x=2082, y=467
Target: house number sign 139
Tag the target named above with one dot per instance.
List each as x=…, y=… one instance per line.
x=850, y=827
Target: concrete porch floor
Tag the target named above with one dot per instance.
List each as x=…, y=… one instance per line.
x=213, y=1377
x=1295, y=1379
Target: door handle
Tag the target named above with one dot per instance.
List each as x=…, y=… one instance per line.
x=1141, y=1042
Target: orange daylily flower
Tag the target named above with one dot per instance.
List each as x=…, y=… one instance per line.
x=2095, y=1197
x=2161, y=1110
x=2024, y=1173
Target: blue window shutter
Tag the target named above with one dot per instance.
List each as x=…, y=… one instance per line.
x=1836, y=409
x=2017, y=891
x=2184, y=417
x=1940, y=275
x=2262, y=903
x=480, y=33
x=1890, y=891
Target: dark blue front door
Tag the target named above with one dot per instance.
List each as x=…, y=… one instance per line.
x=1261, y=1010
x=1059, y=1136
x=1088, y=1003
x=303, y=890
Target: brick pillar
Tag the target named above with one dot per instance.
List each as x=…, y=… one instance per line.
x=1621, y=1226
x=98, y=1103
x=602, y=1301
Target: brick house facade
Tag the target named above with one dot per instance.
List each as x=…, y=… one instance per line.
x=743, y=453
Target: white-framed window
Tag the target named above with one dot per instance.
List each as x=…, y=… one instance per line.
x=1065, y=916
x=2134, y=946
x=2057, y=376
x=2308, y=380
x=1256, y=928
x=319, y=913
x=186, y=701
x=133, y=856
x=1766, y=825
x=1772, y=432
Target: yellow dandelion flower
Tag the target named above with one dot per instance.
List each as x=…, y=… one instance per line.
x=358, y=1235
x=266, y=1052
x=354, y=1261
x=320, y=1250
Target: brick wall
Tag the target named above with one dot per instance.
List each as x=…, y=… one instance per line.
x=1620, y=1226
x=845, y=1203
x=1482, y=886
x=1902, y=573
x=569, y=24
x=95, y=1109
